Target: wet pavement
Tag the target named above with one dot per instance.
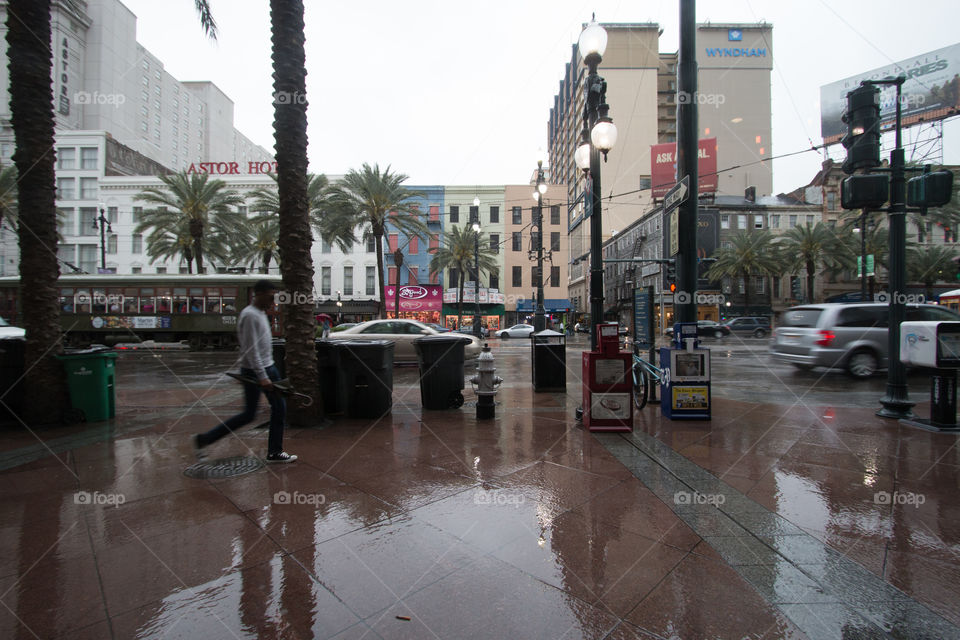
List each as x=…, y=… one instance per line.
x=794, y=513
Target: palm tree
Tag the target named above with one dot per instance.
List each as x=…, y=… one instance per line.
x=928, y=264
x=259, y=243
x=324, y=224
x=457, y=252
x=294, y=240
x=368, y=199
x=816, y=248
x=749, y=253
x=204, y=203
x=31, y=114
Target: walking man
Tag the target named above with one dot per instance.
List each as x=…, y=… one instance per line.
x=256, y=361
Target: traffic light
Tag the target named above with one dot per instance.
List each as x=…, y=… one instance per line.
x=868, y=191
x=862, y=118
x=933, y=189
x=672, y=275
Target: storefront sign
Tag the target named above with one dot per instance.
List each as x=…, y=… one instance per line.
x=415, y=297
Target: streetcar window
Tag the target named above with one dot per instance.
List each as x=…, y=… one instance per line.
x=83, y=301
x=66, y=300
x=229, y=299
x=146, y=300
x=213, y=299
x=114, y=300
x=179, y=300
x=196, y=300
x=99, y=301
x=163, y=300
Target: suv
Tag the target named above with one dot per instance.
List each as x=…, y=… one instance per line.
x=756, y=326
x=849, y=336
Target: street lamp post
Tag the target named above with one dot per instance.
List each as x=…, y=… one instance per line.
x=476, y=267
x=599, y=135
x=339, y=307
x=539, y=318
x=104, y=228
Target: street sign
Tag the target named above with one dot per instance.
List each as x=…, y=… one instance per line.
x=674, y=232
x=677, y=194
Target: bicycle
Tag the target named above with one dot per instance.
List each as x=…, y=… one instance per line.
x=645, y=374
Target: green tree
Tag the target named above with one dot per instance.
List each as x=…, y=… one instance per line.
x=204, y=203
x=368, y=200
x=751, y=253
x=457, y=252
x=929, y=264
x=326, y=225
x=816, y=249
x=294, y=240
x=259, y=243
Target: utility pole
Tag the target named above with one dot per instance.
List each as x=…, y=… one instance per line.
x=687, y=127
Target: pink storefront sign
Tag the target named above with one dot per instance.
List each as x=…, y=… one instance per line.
x=415, y=297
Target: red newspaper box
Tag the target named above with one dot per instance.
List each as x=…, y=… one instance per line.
x=607, y=383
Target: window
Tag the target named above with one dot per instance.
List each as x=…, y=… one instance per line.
x=371, y=243
x=325, y=281
x=88, y=188
x=112, y=215
x=136, y=269
x=392, y=275
x=370, y=287
x=533, y=274
x=66, y=158
x=741, y=222
x=758, y=222
x=554, y=241
x=453, y=279
x=454, y=213
x=494, y=281
x=413, y=275
x=88, y=157
x=517, y=280
x=112, y=244
x=474, y=214
x=554, y=276
x=434, y=243
x=517, y=241
x=161, y=270
x=495, y=242
x=793, y=220
x=434, y=213
x=348, y=281
x=65, y=222
x=88, y=216
x=414, y=247
x=831, y=201
x=724, y=222
x=759, y=284
x=66, y=189
x=137, y=243
x=517, y=214
x=810, y=220
x=554, y=214
x=324, y=245
x=775, y=222
x=494, y=214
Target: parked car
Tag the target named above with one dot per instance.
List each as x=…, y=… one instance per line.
x=848, y=336
x=343, y=326
x=403, y=333
x=754, y=326
x=437, y=327
x=707, y=329
x=468, y=330
x=9, y=331
x=516, y=331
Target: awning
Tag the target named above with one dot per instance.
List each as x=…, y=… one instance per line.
x=550, y=305
x=349, y=306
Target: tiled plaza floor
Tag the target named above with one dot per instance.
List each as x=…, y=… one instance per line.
x=769, y=521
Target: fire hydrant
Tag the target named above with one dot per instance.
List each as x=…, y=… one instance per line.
x=485, y=384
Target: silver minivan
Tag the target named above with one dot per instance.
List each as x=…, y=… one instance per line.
x=848, y=336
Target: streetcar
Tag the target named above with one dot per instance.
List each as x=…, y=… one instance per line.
x=196, y=310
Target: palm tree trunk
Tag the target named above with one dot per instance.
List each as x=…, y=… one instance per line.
x=196, y=232
x=382, y=307
x=460, y=300
x=31, y=109
x=811, y=275
x=295, y=239
x=746, y=294
x=266, y=262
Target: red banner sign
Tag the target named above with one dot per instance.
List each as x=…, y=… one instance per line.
x=663, y=166
x=415, y=297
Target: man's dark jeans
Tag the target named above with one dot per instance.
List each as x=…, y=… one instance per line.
x=251, y=394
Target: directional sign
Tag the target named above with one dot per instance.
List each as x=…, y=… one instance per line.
x=677, y=194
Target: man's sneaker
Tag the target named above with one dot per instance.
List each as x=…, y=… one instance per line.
x=198, y=449
x=283, y=456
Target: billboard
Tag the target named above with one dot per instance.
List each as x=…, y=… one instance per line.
x=663, y=166
x=415, y=297
x=930, y=92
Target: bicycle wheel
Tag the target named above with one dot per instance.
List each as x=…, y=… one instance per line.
x=640, y=384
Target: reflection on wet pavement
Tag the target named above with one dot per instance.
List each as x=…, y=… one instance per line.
x=771, y=521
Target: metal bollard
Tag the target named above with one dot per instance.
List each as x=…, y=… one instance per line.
x=485, y=384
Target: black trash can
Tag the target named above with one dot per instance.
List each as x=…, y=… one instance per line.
x=328, y=367
x=365, y=384
x=549, y=357
x=280, y=356
x=12, y=357
x=441, y=370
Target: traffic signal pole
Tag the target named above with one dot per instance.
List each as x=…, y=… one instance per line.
x=687, y=159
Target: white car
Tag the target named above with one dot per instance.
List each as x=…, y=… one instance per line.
x=402, y=333
x=516, y=331
x=9, y=331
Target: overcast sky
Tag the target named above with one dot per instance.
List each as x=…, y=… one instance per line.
x=453, y=92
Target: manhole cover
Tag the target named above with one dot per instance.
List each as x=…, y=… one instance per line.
x=224, y=467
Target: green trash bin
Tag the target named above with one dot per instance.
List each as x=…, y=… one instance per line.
x=90, y=378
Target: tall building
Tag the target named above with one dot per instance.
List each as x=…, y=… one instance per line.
x=734, y=99
x=118, y=112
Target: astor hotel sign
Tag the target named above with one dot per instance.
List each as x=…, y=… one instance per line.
x=232, y=168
